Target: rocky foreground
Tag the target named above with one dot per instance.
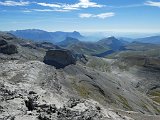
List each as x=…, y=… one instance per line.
x=84, y=88
x=31, y=91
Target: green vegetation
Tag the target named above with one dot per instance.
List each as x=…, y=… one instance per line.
x=82, y=90
x=88, y=48
x=99, y=64
x=144, y=106
x=88, y=91
x=156, y=109
x=155, y=95
x=156, y=99
x=124, y=102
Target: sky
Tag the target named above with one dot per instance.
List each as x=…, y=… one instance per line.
x=137, y=16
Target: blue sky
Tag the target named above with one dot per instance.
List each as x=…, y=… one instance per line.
x=141, y=16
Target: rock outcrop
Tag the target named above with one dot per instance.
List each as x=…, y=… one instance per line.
x=3, y=42
x=6, y=48
x=59, y=58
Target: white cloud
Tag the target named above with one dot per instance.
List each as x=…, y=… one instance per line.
x=101, y=16
x=59, y=7
x=49, y=5
x=49, y=10
x=86, y=4
x=61, y=10
x=27, y=11
x=85, y=15
x=76, y=6
x=45, y=10
x=14, y=3
x=105, y=15
x=151, y=3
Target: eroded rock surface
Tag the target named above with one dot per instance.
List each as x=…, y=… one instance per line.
x=100, y=89
x=7, y=48
x=61, y=58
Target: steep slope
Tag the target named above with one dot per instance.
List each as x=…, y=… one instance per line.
x=100, y=48
x=88, y=48
x=112, y=42
x=101, y=89
x=138, y=49
x=82, y=47
x=30, y=89
x=37, y=94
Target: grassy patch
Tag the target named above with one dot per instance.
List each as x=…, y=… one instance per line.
x=124, y=102
x=99, y=64
x=156, y=109
x=156, y=99
x=82, y=90
x=155, y=95
x=89, y=91
x=144, y=106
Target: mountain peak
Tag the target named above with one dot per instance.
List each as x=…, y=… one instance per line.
x=108, y=39
x=68, y=41
x=112, y=42
x=112, y=37
x=71, y=39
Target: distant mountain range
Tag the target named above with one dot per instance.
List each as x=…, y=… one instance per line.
x=100, y=48
x=110, y=45
x=56, y=37
x=152, y=39
x=81, y=46
x=41, y=35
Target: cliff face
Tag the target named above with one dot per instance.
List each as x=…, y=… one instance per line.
x=59, y=58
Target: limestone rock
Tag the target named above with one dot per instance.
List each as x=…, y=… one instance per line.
x=3, y=42
x=8, y=49
x=59, y=58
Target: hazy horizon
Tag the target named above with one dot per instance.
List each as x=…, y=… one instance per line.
x=101, y=34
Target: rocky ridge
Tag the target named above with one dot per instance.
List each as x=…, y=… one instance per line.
x=96, y=89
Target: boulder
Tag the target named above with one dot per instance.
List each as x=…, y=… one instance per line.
x=59, y=58
x=3, y=42
x=8, y=49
